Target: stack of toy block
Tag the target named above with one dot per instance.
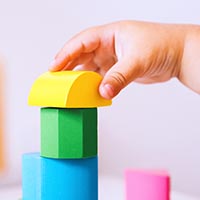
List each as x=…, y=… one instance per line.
x=67, y=166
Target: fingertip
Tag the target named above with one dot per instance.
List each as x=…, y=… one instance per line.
x=106, y=91
x=52, y=66
x=52, y=69
x=55, y=66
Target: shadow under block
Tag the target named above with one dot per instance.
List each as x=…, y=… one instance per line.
x=59, y=179
x=68, y=132
x=67, y=89
x=147, y=185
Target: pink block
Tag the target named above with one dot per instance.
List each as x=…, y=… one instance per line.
x=147, y=185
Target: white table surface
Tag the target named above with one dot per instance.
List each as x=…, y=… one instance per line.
x=109, y=189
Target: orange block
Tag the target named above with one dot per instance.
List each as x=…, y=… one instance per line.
x=2, y=157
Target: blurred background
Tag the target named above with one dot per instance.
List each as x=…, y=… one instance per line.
x=154, y=126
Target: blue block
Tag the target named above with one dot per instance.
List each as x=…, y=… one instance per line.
x=59, y=179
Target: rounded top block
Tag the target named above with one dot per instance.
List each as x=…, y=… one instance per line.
x=67, y=89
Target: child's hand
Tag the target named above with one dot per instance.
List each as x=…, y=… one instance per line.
x=125, y=51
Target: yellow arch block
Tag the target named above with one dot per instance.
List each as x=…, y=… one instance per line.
x=67, y=89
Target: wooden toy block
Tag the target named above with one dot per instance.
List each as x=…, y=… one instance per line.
x=67, y=89
x=59, y=179
x=68, y=132
x=147, y=185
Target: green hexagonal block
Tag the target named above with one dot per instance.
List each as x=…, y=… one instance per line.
x=68, y=132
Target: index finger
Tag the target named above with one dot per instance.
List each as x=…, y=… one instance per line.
x=85, y=42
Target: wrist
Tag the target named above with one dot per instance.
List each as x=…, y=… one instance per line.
x=189, y=73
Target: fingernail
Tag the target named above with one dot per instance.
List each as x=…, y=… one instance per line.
x=107, y=91
x=52, y=65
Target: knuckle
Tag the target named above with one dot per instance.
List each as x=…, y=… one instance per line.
x=119, y=78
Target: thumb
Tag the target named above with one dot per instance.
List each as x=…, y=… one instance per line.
x=118, y=77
